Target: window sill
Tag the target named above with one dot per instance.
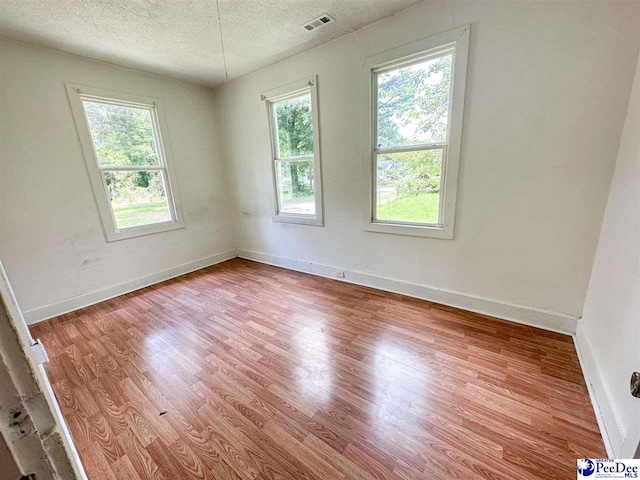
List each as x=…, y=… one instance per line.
x=299, y=219
x=412, y=230
x=132, y=232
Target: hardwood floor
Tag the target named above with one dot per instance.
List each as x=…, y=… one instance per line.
x=247, y=371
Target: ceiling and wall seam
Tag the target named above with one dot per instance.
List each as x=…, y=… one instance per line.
x=175, y=40
x=192, y=81
x=103, y=62
x=317, y=47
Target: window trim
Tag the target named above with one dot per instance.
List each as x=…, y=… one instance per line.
x=292, y=90
x=76, y=94
x=420, y=50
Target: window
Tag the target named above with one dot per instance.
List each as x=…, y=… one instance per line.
x=417, y=94
x=295, y=147
x=124, y=147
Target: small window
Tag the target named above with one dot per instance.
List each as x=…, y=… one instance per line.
x=127, y=162
x=293, y=121
x=415, y=135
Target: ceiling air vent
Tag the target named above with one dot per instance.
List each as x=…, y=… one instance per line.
x=318, y=22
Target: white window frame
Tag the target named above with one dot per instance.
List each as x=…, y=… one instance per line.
x=292, y=90
x=456, y=40
x=78, y=93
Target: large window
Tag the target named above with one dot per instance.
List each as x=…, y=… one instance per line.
x=295, y=152
x=127, y=161
x=416, y=118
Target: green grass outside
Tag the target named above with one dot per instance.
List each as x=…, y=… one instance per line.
x=132, y=215
x=416, y=208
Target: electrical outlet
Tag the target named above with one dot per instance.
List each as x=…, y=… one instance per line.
x=339, y=273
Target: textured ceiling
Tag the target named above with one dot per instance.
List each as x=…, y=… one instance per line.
x=180, y=38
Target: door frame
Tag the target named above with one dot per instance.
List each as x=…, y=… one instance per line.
x=16, y=319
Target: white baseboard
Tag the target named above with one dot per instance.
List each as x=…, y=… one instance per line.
x=535, y=317
x=606, y=415
x=49, y=311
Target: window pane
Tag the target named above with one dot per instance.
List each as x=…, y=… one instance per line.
x=413, y=103
x=295, y=126
x=295, y=187
x=408, y=186
x=123, y=136
x=137, y=198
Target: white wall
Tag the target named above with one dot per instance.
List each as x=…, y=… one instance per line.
x=547, y=88
x=547, y=91
x=609, y=333
x=52, y=243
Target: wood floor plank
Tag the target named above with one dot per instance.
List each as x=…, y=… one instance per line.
x=244, y=371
